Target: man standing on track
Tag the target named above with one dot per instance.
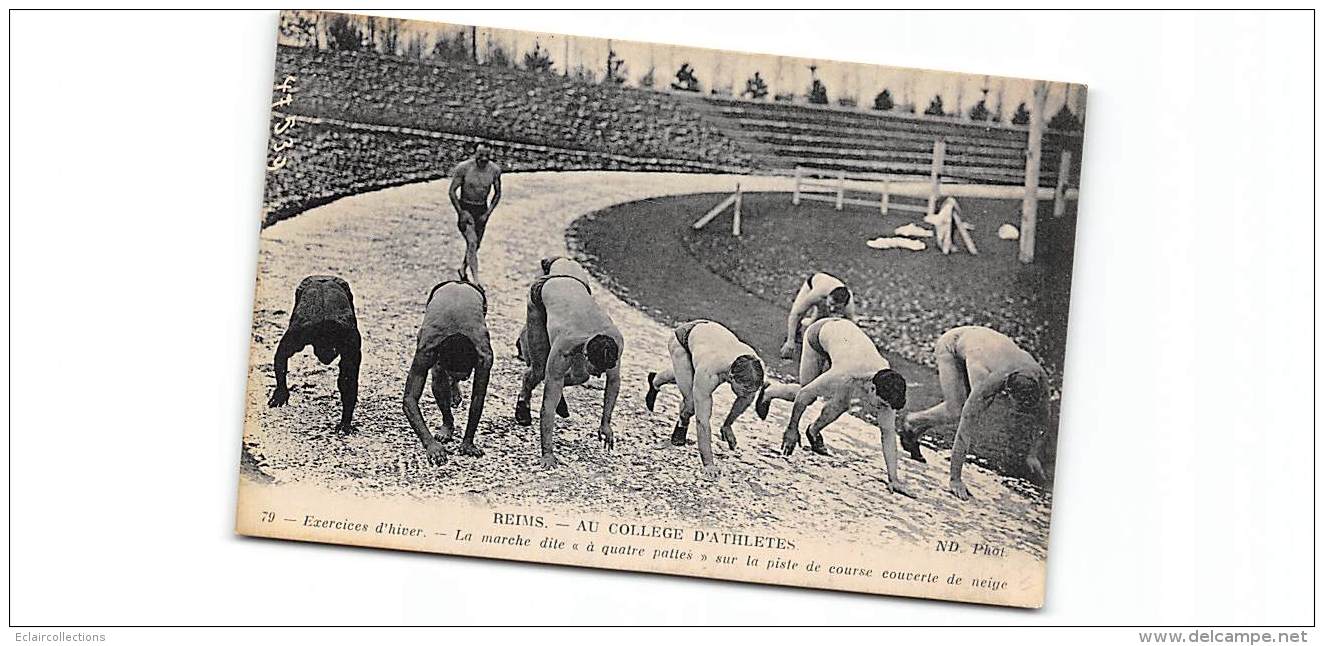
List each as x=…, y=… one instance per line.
x=567, y=338
x=977, y=365
x=453, y=344
x=827, y=296
x=471, y=182
x=839, y=362
x=323, y=317
x=705, y=355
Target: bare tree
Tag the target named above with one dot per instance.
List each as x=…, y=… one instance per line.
x=616, y=70
x=299, y=28
x=344, y=34
x=537, y=59
x=391, y=36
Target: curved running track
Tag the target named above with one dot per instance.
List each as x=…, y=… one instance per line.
x=393, y=245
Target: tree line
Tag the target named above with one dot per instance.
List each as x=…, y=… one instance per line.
x=384, y=36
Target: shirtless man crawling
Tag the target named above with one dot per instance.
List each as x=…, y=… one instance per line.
x=705, y=355
x=978, y=366
x=453, y=344
x=826, y=295
x=566, y=339
x=840, y=363
x=471, y=182
x=323, y=317
x=554, y=266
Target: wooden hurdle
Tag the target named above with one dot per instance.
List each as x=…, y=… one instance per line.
x=733, y=202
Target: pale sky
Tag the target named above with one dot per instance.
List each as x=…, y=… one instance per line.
x=722, y=69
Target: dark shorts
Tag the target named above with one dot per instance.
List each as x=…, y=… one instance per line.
x=548, y=262
x=683, y=332
x=473, y=214
x=811, y=335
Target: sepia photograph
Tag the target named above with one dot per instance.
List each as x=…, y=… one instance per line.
x=701, y=312
x=334, y=326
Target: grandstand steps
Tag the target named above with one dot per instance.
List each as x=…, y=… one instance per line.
x=782, y=136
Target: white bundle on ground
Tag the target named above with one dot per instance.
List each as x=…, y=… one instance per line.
x=896, y=243
x=1008, y=232
x=912, y=230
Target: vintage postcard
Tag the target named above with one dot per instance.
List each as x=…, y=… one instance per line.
x=646, y=307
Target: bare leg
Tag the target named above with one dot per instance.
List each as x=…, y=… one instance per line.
x=831, y=411
x=955, y=390
x=682, y=371
x=536, y=347
x=533, y=375
x=470, y=253
x=347, y=382
x=656, y=380
x=441, y=392
x=811, y=366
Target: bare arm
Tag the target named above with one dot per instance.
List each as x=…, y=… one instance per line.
x=704, y=385
x=348, y=380
x=290, y=343
x=742, y=402
x=798, y=309
x=608, y=405
x=477, y=398
x=553, y=384
x=887, y=432
x=418, y=376
x=496, y=193
x=457, y=182
x=975, y=407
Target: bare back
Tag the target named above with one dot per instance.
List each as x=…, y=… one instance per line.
x=454, y=308
x=322, y=302
x=572, y=313
x=849, y=348
x=987, y=352
x=713, y=347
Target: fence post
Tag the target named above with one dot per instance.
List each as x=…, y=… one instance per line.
x=1033, y=155
x=882, y=202
x=795, y=197
x=1060, y=195
x=735, y=222
x=935, y=173
x=841, y=189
